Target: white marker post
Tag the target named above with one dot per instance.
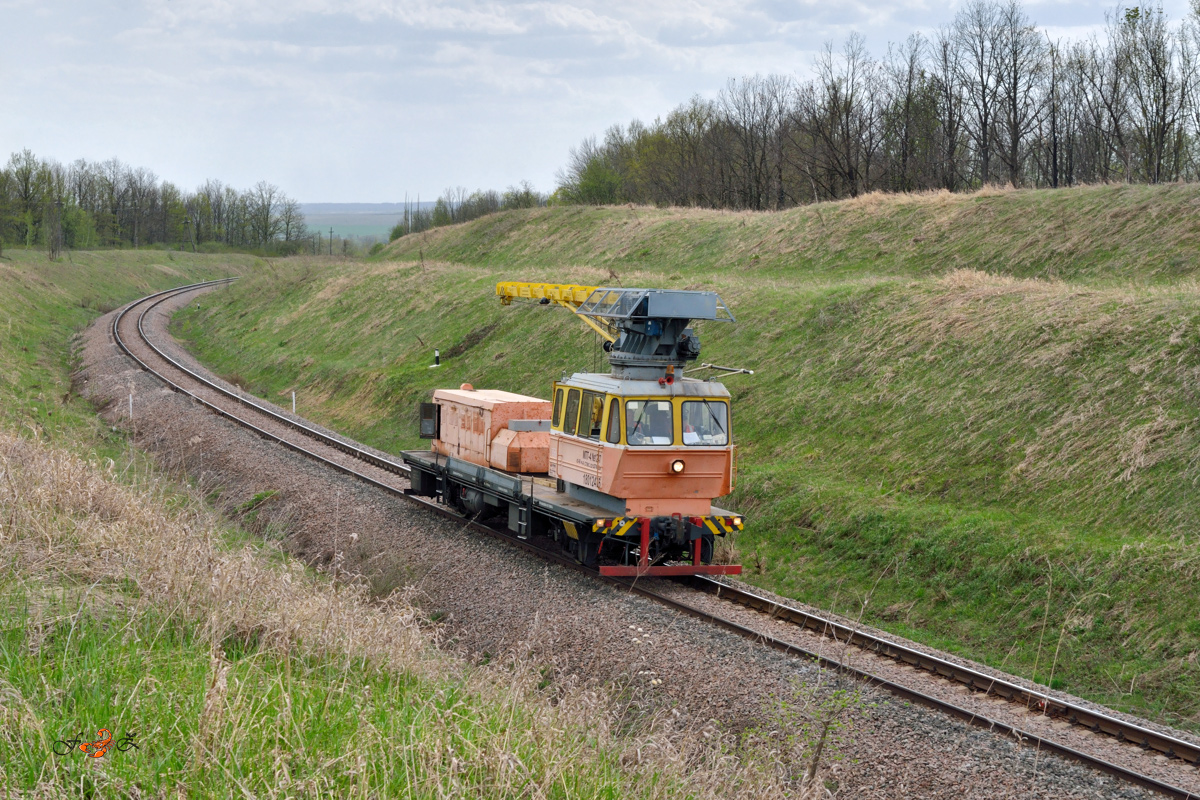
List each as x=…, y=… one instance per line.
x=293, y=402
x=131, y=406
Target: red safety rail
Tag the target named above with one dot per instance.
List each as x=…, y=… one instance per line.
x=643, y=566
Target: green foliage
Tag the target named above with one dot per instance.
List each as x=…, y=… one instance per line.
x=456, y=206
x=598, y=184
x=115, y=205
x=441, y=213
x=592, y=177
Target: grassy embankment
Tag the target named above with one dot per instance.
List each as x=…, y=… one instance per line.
x=126, y=604
x=976, y=414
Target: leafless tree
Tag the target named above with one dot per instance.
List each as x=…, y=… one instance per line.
x=977, y=32
x=840, y=112
x=1161, y=74
x=1020, y=69
x=754, y=108
x=907, y=117
x=951, y=109
x=291, y=220
x=262, y=212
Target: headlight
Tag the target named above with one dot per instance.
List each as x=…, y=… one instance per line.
x=677, y=466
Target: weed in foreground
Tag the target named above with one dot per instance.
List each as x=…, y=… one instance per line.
x=241, y=673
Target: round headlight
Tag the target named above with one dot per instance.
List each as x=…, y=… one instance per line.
x=677, y=466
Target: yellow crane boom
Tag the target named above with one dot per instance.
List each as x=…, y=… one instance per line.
x=568, y=295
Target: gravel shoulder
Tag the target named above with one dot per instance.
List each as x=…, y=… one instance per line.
x=494, y=600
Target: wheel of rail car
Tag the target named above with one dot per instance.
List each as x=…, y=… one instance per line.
x=453, y=497
x=586, y=547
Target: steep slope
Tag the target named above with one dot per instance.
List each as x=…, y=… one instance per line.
x=1000, y=464
x=1092, y=233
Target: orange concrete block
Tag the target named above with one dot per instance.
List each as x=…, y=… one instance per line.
x=521, y=451
x=471, y=421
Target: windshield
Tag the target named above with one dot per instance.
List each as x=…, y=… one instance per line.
x=648, y=422
x=705, y=422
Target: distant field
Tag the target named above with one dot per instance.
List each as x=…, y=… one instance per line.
x=357, y=220
x=974, y=415
x=353, y=225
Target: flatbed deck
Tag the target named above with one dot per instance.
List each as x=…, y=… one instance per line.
x=535, y=494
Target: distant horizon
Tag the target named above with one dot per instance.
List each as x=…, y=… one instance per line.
x=363, y=221
x=318, y=208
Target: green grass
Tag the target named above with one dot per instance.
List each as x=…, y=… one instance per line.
x=998, y=460
x=43, y=304
x=244, y=720
x=1093, y=233
x=126, y=604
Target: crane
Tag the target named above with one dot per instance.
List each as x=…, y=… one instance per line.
x=646, y=331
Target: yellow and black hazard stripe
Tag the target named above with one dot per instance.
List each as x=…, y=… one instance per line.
x=621, y=526
x=721, y=525
x=615, y=527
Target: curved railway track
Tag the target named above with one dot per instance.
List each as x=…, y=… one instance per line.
x=129, y=334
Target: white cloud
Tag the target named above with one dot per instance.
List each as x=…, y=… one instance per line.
x=365, y=99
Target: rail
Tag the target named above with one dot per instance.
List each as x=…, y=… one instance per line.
x=1170, y=746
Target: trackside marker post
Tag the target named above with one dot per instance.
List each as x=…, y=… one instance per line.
x=293, y=402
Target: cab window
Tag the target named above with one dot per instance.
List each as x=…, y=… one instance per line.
x=705, y=422
x=591, y=413
x=648, y=422
x=558, y=400
x=614, y=421
x=572, y=412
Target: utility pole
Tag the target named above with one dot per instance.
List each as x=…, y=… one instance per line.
x=331, y=241
x=54, y=232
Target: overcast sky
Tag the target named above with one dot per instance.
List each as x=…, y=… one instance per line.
x=364, y=100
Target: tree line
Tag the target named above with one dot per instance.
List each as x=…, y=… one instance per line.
x=456, y=205
x=988, y=98
x=111, y=204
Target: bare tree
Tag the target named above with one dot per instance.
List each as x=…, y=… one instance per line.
x=1020, y=69
x=754, y=108
x=977, y=32
x=140, y=187
x=291, y=220
x=951, y=105
x=840, y=112
x=905, y=123
x=262, y=212
x=1161, y=74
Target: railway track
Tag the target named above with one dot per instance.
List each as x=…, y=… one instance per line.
x=129, y=334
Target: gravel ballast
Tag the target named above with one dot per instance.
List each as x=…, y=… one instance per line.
x=494, y=600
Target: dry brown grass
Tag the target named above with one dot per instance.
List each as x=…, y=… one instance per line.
x=1102, y=424
x=65, y=522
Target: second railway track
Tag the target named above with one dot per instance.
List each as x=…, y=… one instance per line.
x=129, y=333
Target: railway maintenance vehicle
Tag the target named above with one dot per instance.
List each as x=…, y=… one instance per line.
x=619, y=468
